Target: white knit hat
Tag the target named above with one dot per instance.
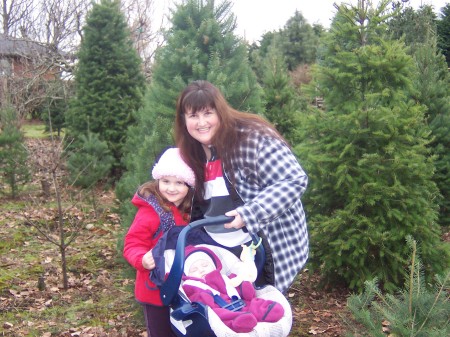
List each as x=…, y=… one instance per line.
x=171, y=164
x=195, y=253
x=194, y=257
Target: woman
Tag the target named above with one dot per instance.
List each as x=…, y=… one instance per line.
x=244, y=169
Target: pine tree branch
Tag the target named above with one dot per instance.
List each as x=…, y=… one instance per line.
x=438, y=295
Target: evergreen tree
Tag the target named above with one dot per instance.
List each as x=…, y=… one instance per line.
x=297, y=42
x=416, y=310
x=53, y=110
x=415, y=27
x=443, y=30
x=200, y=45
x=367, y=158
x=300, y=41
x=53, y=115
x=282, y=102
x=14, y=171
x=418, y=29
x=90, y=164
x=108, y=80
x=432, y=82
x=257, y=53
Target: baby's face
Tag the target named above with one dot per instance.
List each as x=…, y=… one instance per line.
x=200, y=268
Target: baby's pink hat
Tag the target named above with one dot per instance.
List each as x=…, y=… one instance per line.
x=195, y=253
x=171, y=164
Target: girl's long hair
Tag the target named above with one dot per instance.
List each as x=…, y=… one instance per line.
x=152, y=187
x=200, y=95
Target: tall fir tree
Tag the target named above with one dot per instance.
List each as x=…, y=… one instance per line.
x=432, y=89
x=432, y=83
x=109, y=81
x=300, y=41
x=200, y=45
x=415, y=27
x=367, y=157
x=283, y=104
x=443, y=30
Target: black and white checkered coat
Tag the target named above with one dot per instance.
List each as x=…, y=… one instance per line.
x=271, y=181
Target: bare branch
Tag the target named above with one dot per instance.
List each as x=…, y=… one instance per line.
x=146, y=21
x=15, y=15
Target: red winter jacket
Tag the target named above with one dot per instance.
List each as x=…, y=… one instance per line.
x=139, y=240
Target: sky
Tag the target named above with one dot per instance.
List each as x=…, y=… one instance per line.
x=256, y=17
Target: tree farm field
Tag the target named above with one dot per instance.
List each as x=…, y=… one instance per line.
x=99, y=299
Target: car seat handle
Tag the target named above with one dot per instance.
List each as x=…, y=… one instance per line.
x=169, y=289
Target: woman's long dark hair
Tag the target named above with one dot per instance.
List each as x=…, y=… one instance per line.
x=200, y=95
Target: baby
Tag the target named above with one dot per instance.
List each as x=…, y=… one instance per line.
x=203, y=282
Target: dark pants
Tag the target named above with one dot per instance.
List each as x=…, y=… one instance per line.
x=157, y=320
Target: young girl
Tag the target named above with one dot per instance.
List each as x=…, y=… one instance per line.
x=162, y=204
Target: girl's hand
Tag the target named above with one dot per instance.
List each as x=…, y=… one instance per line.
x=237, y=222
x=147, y=261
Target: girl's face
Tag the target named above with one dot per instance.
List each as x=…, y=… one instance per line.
x=202, y=125
x=173, y=189
x=200, y=268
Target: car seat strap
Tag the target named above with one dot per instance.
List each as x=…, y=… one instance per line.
x=236, y=303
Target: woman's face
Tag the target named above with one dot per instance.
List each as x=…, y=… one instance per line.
x=202, y=125
x=173, y=189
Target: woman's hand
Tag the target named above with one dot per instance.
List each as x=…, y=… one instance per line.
x=147, y=261
x=237, y=222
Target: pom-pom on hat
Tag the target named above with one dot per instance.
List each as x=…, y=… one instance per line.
x=171, y=164
x=193, y=253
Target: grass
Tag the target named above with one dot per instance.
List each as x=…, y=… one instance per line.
x=36, y=130
x=98, y=296
x=11, y=206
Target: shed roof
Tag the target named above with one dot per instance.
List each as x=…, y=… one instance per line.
x=20, y=47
